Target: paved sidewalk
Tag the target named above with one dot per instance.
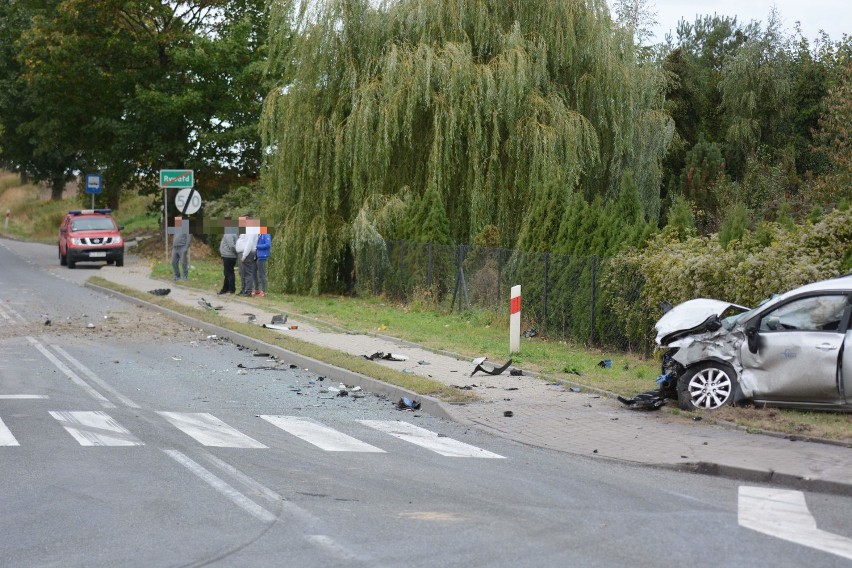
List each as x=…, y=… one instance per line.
x=551, y=416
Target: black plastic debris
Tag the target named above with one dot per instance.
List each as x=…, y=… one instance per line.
x=494, y=371
x=516, y=372
x=508, y=414
x=465, y=387
x=260, y=354
x=649, y=400
x=408, y=404
x=251, y=317
x=47, y=322
x=511, y=388
x=160, y=291
x=530, y=333
x=605, y=364
x=574, y=389
x=279, y=319
x=386, y=356
x=207, y=305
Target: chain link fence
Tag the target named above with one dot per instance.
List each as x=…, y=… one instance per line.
x=564, y=296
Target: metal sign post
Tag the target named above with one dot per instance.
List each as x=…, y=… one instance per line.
x=178, y=179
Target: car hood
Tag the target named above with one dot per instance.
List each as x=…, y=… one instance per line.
x=690, y=317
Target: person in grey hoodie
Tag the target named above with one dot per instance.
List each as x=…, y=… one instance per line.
x=228, y=251
x=180, y=248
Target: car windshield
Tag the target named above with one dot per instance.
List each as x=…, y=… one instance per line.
x=93, y=224
x=729, y=321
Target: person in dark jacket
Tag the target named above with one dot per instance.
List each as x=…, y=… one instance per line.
x=228, y=251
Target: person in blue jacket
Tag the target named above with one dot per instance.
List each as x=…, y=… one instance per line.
x=264, y=245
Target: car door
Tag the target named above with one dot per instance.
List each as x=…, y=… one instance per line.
x=800, y=344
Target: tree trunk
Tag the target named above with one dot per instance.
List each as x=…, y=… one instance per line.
x=57, y=184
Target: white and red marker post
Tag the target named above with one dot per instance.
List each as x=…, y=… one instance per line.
x=515, y=320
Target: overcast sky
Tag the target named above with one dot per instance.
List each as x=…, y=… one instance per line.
x=833, y=16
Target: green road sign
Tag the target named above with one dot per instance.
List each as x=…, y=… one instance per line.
x=177, y=178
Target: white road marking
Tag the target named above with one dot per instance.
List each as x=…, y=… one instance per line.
x=21, y=396
x=320, y=435
x=9, y=314
x=333, y=548
x=249, y=482
x=95, y=428
x=428, y=439
x=209, y=430
x=71, y=374
x=222, y=487
x=94, y=378
x=6, y=437
x=784, y=514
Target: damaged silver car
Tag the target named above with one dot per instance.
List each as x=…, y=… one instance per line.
x=793, y=350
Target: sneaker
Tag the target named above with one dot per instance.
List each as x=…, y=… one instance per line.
x=222, y=291
x=261, y=293
x=175, y=278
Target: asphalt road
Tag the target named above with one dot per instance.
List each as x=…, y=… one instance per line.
x=130, y=440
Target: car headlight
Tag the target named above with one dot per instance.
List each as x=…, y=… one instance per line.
x=76, y=241
x=116, y=240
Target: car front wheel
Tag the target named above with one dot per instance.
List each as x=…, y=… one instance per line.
x=62, y=259
x=707, y=386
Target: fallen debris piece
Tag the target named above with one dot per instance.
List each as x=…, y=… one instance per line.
x=251, y=317
x=649, y=400
x=408, y=404
x=278, y=327
x=207, y=305
x=516, y=372
x=279, y=319
x=479, y=360
x=423, y=363
x=90, y=326
x=260, y=354
x=508, y=414
x=605, y=364
x=511, y=388
x=465, y=387
x=495, y=371
x=530, y=333
x=574, y=389
x=386, y=356
x=160, y=291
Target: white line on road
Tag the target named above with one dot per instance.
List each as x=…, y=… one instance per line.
x=222, y=487
x=429, y=440
x=95, y=428
x=9, y=314
x=784, y=514
x=328, y=544
x=249, y=482
x=209, y=430
x=21, y=396
x=71, y=374
x=320, y=435
x=6, y=437
x=94, y=378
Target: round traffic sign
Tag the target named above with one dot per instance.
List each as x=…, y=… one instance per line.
x=188, y=201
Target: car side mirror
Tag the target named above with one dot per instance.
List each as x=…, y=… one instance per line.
x=121, y=227
x=753, y=337
x=713, y=323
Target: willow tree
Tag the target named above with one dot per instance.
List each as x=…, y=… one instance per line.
x=504, y=107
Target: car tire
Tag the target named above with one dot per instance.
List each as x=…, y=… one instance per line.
x=62, y=259
x=119, y=261
x=71, y=264
x=707, y=386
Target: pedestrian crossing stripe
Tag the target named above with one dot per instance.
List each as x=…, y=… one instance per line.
x=209, y=430
x=320, y=435
x=96, y=428
x=6, y=437
x=428, y=439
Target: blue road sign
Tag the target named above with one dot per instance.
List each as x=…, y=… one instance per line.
x=94, y=183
